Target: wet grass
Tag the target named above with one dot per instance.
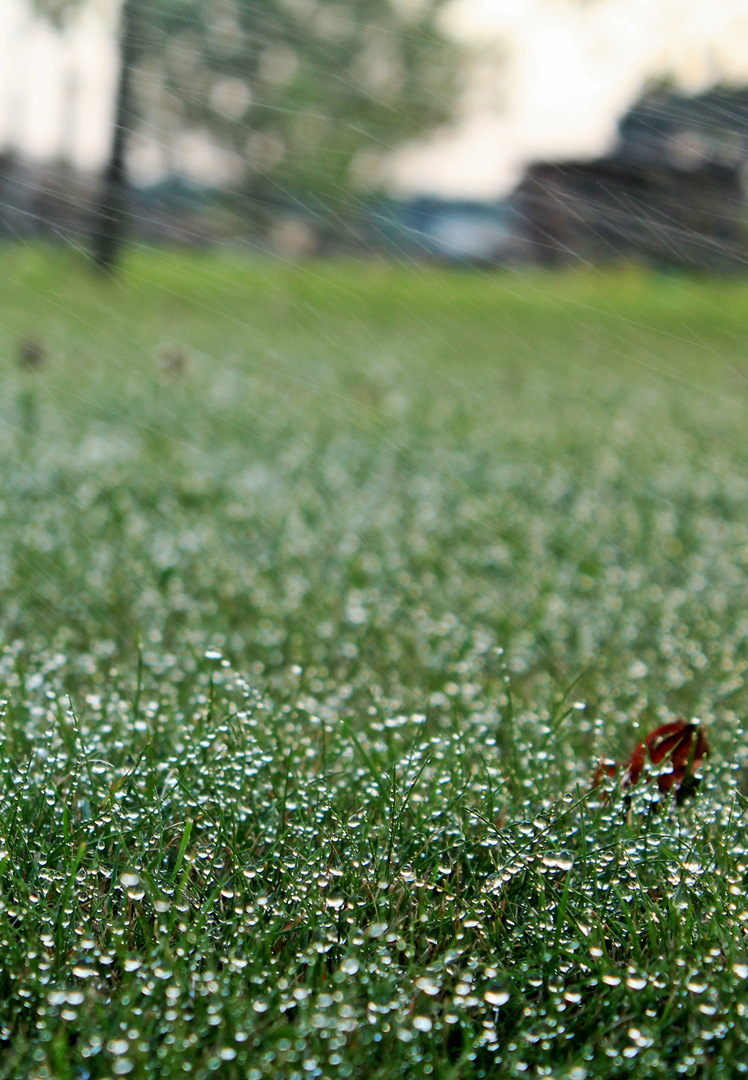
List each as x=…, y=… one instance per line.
x=322, y=591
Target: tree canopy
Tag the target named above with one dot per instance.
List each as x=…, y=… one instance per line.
x=301, y=91
x=305, y=95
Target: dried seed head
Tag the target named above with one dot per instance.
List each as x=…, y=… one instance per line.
x=171, y=360
x=31, y=354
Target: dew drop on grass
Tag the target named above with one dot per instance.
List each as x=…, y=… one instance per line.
x=741, y=970
x=696, y=987
x=496, y=997
x=422, y=1023
x=350, y=965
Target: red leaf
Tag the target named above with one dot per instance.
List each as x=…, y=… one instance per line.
x=688, y=752
x=664, y=740
x=681, y=743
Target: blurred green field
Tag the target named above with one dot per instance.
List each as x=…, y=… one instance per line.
x=322, y=590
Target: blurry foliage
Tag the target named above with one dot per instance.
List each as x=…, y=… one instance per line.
x=304, y=94
x=296, y=89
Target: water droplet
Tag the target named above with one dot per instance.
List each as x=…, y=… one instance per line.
x=350, y=965
x=422, y=1023
x=741, y=970
x=496, y=997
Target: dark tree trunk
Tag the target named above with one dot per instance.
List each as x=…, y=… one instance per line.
x=111, y=225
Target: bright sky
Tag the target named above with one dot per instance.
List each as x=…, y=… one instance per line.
x=564, y=71
x=549, y=78
x=57, y=91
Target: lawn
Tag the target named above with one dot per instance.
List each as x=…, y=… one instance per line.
x=323, y=589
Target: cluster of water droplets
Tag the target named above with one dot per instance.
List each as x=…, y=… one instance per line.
x=371, y=836
x=249, y=883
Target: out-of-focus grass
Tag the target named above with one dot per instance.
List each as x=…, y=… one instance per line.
x=322, y=589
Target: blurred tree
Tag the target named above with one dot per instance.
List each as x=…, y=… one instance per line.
x=111, y=224
x=109, y=232
x=305, y=91
x=300, y=97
